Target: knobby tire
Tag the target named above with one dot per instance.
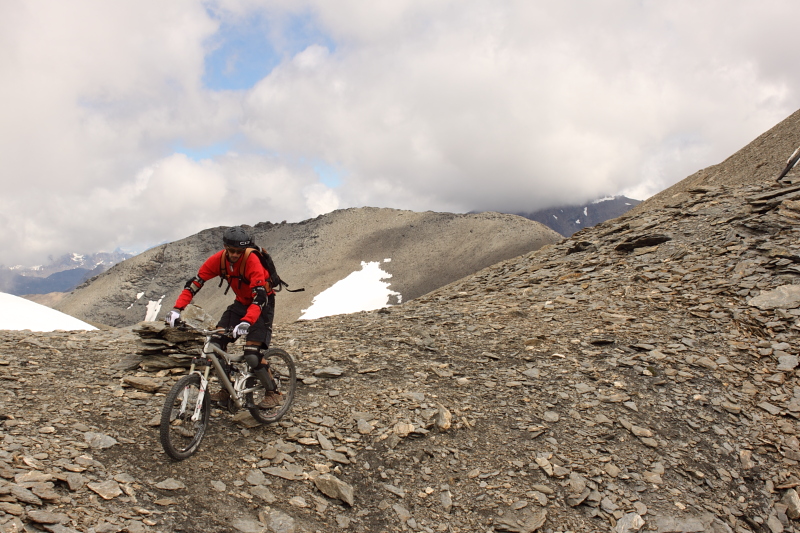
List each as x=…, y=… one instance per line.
x=180, y=436
x=285, y=376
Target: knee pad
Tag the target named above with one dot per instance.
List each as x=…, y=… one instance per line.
x=252, y=357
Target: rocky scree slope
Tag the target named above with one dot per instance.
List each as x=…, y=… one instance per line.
x=641, y=375
x=427, y=250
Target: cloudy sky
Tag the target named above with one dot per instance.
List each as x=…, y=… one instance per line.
x=130, y=123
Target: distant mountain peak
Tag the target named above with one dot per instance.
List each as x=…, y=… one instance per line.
x=62, y=274
x=569, y=219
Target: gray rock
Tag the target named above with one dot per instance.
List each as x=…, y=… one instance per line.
x=170, y=484
x=245, y=525
x=630, y=523
x=792, y=502
x=99, y=441
x=278, y=521
x=403, y=514
x=329, y=372
x=23, y=495
x=256, y=477
x=45, y=517
x=783, y=297
x=334, y=487
x=264, y=493
x=108, y=490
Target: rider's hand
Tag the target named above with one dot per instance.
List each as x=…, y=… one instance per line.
x=172, y=317
x=241, y=330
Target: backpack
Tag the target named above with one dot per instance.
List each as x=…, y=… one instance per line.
x=275, y=281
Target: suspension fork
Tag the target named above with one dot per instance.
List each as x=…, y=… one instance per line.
x=198, y=408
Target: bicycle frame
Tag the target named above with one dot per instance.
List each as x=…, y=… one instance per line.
x=213, y=353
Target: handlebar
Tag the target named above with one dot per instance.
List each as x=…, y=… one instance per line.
x=183, y=325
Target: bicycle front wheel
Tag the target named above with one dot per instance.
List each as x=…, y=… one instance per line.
x=281, y=366
x=183, y=419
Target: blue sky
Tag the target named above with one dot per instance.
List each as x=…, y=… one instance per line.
x=246, y=49
x=131, y=123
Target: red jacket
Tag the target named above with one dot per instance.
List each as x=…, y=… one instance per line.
x=253, y=271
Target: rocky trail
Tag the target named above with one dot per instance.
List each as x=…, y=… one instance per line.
x=639, y=376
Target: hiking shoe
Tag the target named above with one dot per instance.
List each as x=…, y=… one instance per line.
x=271, y=399
x=221, y=396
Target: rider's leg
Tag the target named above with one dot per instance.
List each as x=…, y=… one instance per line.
x=257, y=365
x=259, y=336
x=228, y=320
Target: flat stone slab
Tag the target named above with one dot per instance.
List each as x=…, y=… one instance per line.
x=329, y=372
x=108, y=490
x=784, y=297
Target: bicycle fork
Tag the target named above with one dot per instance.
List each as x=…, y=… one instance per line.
x=198, y=407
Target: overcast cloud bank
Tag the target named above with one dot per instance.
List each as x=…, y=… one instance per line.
x=130, y=123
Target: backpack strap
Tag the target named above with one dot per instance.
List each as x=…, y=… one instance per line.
x=223, y=271
x=242, y=265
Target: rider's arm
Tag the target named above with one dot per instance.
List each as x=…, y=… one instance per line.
x=208, y=270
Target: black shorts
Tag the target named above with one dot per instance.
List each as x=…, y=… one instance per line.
x=261, y=331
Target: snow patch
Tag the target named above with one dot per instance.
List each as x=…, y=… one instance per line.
x=153, y=308
x=18, y=313
x=361, y=290
x=555, y=217
x=586, y=211
x=578, y=221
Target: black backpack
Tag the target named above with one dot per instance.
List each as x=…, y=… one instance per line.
x=275, y=280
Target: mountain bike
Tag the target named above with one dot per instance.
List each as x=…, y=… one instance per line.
x=187, y=408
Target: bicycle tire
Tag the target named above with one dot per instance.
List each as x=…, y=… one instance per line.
x=285, y=376
x=180, y=436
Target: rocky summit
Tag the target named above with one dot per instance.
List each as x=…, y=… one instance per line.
x=639, y=376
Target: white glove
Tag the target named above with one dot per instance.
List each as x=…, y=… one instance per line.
x=241, y=330
x=172, y=317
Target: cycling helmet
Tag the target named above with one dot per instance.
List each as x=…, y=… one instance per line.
x=237, y=237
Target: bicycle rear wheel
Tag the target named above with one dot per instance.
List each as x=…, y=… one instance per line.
x=284, y=375
x=180, y=435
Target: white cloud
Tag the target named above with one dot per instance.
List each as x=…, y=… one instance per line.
x=320, y=199
x=438, y=104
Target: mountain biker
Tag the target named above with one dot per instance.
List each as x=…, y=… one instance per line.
x=250, y=315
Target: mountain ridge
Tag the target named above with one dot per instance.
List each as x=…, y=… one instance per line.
x=426, y=250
